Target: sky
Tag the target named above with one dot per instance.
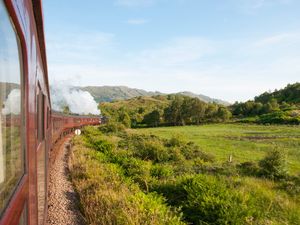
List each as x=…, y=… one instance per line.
x=227, y=49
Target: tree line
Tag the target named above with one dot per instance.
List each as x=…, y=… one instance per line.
x=180, y=110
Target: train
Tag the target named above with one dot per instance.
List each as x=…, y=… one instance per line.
x=29, y=128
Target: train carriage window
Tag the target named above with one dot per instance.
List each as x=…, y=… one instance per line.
x=11, y=121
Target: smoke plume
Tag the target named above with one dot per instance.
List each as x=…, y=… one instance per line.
x=78, y=101
x=12, y=105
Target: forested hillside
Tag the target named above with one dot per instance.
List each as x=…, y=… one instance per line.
x=290, y=95
x=164, y=110
x=281, y=106
x=278, y=107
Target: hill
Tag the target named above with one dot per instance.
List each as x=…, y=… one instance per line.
x=204, y=98
x=111, y=93
x=277, y=107
x=136, y=108
x=289, y=94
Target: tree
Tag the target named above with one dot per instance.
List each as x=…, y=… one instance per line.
x=211, y=111
x=223, y=114
x=152, y=119
x=124, y=118
x=198, y=110
x=173, y=113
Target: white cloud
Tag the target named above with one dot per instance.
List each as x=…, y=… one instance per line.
x=275, y=39
x=136, y=21
x=177, y=51
x=85, y=46
x=227, y=69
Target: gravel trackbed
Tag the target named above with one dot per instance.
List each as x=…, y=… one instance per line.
x=62, y=200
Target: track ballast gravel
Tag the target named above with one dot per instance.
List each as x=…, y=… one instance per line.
x=62, y=199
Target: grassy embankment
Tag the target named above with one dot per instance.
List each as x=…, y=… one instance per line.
x=136, y=177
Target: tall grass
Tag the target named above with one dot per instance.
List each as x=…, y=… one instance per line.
x=107, y=197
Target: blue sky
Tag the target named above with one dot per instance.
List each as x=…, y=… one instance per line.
x=228, y=49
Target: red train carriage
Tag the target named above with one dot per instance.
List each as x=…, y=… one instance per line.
x=64, y=124
x=27, y=129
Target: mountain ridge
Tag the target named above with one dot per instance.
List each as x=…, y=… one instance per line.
x=112, y=93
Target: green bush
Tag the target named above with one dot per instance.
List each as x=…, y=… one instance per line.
x=112, y=127
x=192, y=151
x=175, y=154
x=150, y=149
x=205, y=200
x=138, y=170
x=210, y=201
x=161, y=171
x=291, y=186
x=273, y=165
x=176, y=141
x=248, y=168
x=279, y=117
x=107, y=197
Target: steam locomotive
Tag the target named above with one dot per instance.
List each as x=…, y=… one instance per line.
x=29, y=128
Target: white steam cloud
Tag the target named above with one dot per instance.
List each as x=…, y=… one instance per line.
x=78, y=101
x=12, y=105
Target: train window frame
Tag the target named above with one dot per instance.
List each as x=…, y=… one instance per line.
x=40, y=111
x=23, y=114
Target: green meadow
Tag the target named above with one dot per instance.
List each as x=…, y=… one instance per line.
x=183, y=175
x=243, y=141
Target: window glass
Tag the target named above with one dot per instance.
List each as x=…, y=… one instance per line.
x=11, y=153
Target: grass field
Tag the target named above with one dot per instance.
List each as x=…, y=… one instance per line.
x=244, y=142
x=180, y=175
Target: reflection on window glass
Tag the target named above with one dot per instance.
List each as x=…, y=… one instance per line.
x=11, y=153
x=23, y=218
x=41, y=179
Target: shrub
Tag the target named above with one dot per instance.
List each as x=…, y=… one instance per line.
x=138, y=170
x=175, y=154
x=291, y=186
x=279, y=117
x=248, y=168
x=210, y=201
x=273, y=165
x=192, y=151
x=151, y=150
x=107, y=197
x=176, y=141
x=205, y=199
x=161, y=171
x=112, y=127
